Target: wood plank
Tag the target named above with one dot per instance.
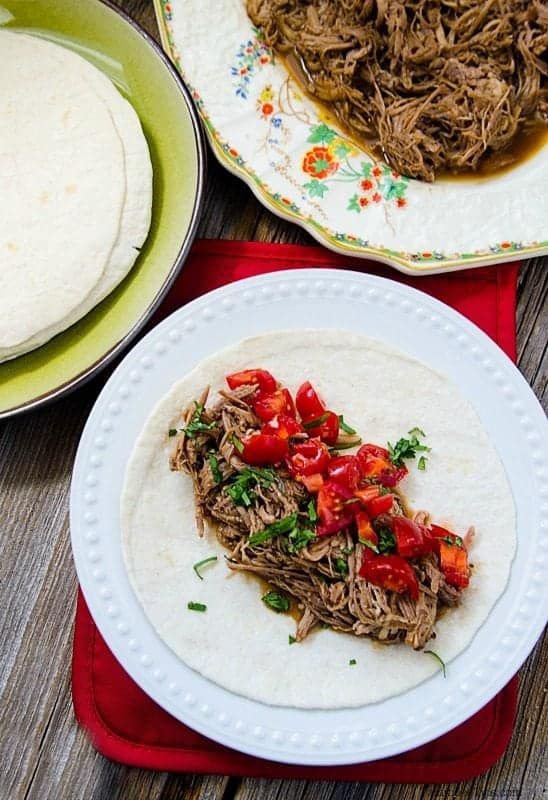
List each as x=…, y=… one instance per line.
x=532, y=326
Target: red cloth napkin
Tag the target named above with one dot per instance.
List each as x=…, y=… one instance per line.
x=126, y=725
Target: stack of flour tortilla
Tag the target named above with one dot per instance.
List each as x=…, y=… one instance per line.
x=76, y=195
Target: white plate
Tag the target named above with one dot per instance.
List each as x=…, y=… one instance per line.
x=301, y=167
x=406, y=319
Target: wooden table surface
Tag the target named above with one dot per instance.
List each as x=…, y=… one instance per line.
x=43, y=753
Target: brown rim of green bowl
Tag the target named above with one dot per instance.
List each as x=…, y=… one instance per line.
x=89, y=373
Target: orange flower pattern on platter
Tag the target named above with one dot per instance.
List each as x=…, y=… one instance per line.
x=332, y=159
x=319, y=162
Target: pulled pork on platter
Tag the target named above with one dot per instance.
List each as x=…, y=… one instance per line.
x=436, y=84
x=327, y=531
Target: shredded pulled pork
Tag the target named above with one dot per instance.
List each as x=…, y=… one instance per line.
x=321, y=575
x=437, y=84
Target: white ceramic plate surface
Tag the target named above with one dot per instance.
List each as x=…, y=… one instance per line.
x=410, y=321
x=299, y=165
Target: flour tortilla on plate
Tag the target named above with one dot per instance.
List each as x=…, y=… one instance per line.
x=240, y=643
x=86, y=188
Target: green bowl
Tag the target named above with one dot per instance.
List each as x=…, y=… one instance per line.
x=110, y=40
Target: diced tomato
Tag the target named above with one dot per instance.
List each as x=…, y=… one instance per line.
x=368, y=492
x=308, y=403
x=380, y=505
x=307, y=458
x=454, y=564
x=453, y=556
x=393, y=476
x=327, y=429
x=289, y=404
x=365, y=529
x=438, y=534
x=442, y=533
x=261, y=448
x=336, y=508
x=375, y=502
x=252, y=377
x=282, y=425
x=268, y=406
x=312, y=482
x=366, y=533
x=412, y=539
x=392, y=573
x=345, y=470
x=374, y=462
x=370, y=451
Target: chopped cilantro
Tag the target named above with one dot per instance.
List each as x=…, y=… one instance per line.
x=341, y=566
x=316, y=421
x=241, y=487
x=277, y=602
x=172, y=432
x=285, y=525
x=422, y=463
x=298, y=538
x=199, y=564
x=416, y=432
x=292, y=639
x=347, y=550
x=345, y=445
x=312, y=513
x=214, y=464
x=454, y=541
x=386, y=540
x=196, y=606
x=352, y=662
x=369, y=544
x=237, y=444
x=408, y=448
x=344, y=427
x=196, y=425
x=440, y=661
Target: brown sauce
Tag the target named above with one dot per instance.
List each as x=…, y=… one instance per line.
x=264, y=587
x=528, y=141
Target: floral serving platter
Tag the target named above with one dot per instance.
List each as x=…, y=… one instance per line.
x=302, y=167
